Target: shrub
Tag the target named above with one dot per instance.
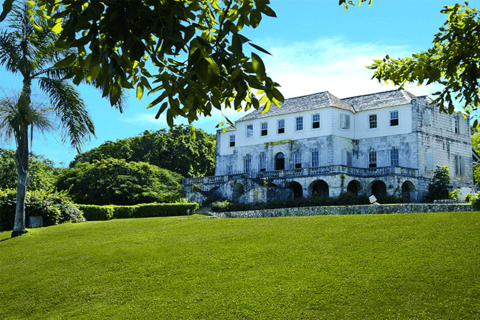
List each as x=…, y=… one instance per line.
x=454, y=195
x=54, y=207
x=95, y=213
x=470, y=197
x=438, y=188
x=475, y=200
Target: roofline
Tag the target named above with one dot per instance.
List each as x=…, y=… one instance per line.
x=371, y=94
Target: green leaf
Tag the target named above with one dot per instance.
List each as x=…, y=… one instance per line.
x=7, y=6
x=139, y=91
x=67, y=61
x=259, y=48
x=258, y=67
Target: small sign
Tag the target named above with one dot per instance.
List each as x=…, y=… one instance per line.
x=372, y=199
x=35, y=221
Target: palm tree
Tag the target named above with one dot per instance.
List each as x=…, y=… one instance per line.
x=31, y=52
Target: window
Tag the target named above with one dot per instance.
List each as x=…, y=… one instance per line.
x=428, y=117
x=249, y=130
x=394, y=118
x=247, y=164
x=372, y=159
x=299, y=123
x=262, y=163
x=459, y=165
x=315, y=121
x=229, y=169
x=264, y=128
x=232, y=140
x=281, y=126
x=430, y=159
x=297, y=159
x=456, y=125
x=344, y=121
x=349, y=156
x=372, y=119
x=315, y=161
x=394, y=157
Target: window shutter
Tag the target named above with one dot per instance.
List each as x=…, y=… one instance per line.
x=460, y=125
x=341, y=122
x=347, y=125
x=462, y=164
x=429, y=159
x=453, y=125
x=428, y=117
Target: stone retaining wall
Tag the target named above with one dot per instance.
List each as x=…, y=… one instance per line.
x=343, y=210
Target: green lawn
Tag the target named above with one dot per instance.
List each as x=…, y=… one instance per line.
x=415, y=266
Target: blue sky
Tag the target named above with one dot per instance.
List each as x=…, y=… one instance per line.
x=316, y=46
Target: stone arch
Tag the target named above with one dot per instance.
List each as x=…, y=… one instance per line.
x=296, y=188
x=280, y=161
x=237, y=191
x=378, y=188
x=408, y=191
x=319, y=188
x=354, y=187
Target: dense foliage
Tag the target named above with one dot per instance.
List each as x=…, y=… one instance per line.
x=54, y=207
x=116, y=181
x=95, y=213
x=453, y=61
x=193, y=50
x=175, y=150
x=42, y=172
x=438, y=188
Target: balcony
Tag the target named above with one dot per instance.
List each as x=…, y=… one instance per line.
x=303, y=172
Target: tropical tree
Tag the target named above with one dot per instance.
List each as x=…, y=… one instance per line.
x=31, y=53
x=453, y=61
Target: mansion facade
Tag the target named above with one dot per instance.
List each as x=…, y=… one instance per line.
x=386, y=143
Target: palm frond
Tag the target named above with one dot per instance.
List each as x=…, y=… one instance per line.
x=69, y=107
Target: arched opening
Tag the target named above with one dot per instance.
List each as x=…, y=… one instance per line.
x=354, y=187
x=296, y=188
x=319, y=188
x=379, y=189
x=237, y=191
x=280, y=161
x=408, y=189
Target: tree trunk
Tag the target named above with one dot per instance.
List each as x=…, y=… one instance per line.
x=21, y=160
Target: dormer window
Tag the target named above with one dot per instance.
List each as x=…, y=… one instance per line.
x=344, y=121
x=232, y=140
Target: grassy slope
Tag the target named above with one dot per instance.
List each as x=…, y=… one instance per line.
x=424, y=266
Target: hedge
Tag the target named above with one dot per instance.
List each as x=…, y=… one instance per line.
x=96, y=213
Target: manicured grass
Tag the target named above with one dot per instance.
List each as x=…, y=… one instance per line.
x=415, y=266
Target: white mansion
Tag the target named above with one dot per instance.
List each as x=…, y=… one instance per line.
x=387, y=143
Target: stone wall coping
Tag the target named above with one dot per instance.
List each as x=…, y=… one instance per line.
x=346, y=210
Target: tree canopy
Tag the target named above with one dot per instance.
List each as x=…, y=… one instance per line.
x=116, y=181
x=174, y=150
x=452, y=61
x=42, y=173
x=195, y=49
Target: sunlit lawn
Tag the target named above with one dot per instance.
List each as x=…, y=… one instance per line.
x=415, y=266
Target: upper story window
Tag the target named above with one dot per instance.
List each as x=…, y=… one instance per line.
x=372, y=120
x=394, y=157
x=297, y=159
x=299, y=123
x=344, y=121
x=247, y=163
x=249, y=130
x=393, y=118
x=456, y=125
x=372, y=159
x=229, y=169
x=349, y=158
x=262, y=162
x=232, y=140
x=281, y=126
x=315, y=159
x=459, y=165
x=315, y=121
x=264, y=128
